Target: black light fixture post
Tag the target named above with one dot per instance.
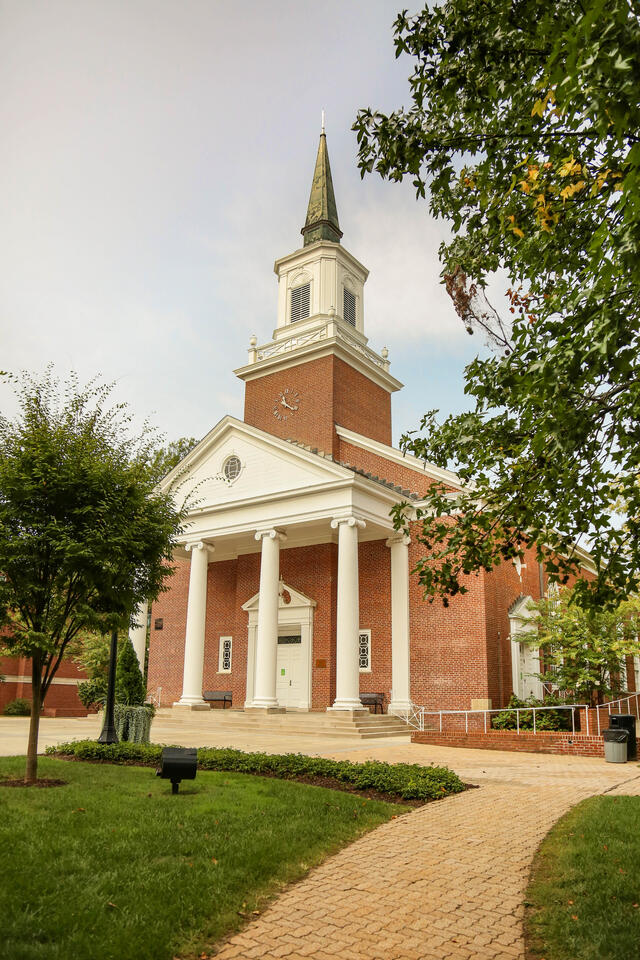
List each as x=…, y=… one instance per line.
x=109, y=734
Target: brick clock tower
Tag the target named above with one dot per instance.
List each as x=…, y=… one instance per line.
x=317, y=370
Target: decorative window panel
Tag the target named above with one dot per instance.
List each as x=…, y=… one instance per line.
x=364, y=651
x=300, y=301
x=224, y=660
x=349, y=311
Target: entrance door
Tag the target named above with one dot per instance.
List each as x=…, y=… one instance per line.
x=529, y=667
x=289, y=670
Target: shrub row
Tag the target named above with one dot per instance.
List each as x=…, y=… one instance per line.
x=409, y=781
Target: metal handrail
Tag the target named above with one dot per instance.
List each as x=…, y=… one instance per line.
x=418, y=714
x=424, y=712
x=619, y=701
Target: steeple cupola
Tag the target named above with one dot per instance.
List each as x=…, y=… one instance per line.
x=318, y=369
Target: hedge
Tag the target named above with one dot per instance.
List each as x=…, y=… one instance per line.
x=409, y=781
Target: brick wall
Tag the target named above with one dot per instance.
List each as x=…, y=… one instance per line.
x=330, y=392
x=448, y=644
x=565, y=744
x=166, y=646
x=62, y=697
x=373, y=463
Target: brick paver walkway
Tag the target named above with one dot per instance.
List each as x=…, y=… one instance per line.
x=444, y=882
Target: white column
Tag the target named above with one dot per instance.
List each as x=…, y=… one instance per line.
x=400, y=664
x=267, y=634
x=348, y=616
x=138, y=635
x=194, y=634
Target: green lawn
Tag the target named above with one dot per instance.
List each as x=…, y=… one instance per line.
x=584, y=896
x=113, y=866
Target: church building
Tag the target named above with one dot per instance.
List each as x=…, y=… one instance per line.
x=292, y=589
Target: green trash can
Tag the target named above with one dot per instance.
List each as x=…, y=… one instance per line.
x=615, y=745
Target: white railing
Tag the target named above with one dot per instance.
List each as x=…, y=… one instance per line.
x=292, y=343
x=422, y=712
x=632, y=707
x=412, y=717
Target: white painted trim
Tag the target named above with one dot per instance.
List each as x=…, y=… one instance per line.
x=61, y=681
x=397, y=456
x=325, y=248
x=321, y=348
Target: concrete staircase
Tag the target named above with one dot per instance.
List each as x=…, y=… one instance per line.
x=360, y=726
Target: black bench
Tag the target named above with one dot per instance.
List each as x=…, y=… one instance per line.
x=218, y=696
x=374, y=700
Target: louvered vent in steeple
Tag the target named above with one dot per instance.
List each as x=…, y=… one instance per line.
x=349, y=311
x=300, y=299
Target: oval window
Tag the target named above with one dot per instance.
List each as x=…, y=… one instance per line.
x=232, y=468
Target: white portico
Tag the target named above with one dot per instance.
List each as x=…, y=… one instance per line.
x=305, y=499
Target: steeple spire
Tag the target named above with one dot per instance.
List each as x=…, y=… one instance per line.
x=322, y=213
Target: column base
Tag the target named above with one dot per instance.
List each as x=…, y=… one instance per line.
x=190, y=705
x=256, y=709
x=353, y=706
x=400, y=708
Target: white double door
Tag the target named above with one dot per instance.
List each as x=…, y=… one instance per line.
x=290, y=669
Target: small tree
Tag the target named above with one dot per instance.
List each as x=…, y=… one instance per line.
x=584, y=650
x=84, y=535
x=130, y=688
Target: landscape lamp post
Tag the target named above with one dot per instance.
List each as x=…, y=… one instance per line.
x=109, y=734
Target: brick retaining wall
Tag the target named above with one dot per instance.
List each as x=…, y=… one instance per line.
x=547, y=741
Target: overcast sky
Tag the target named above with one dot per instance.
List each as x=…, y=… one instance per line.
x=156, y=157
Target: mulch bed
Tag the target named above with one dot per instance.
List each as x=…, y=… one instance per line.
x=314, y=781
x=41, y=782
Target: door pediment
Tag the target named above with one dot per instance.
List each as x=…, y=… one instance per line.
x=295, y=600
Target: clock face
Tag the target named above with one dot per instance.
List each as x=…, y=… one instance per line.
x=286, y=404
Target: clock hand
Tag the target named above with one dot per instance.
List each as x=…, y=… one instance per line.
x=285, y=404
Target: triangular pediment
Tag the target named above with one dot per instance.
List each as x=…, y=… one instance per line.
x=288, y=597
x=522, y=608
x=262, y=466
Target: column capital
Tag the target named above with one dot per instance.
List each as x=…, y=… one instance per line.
x=350, y=522
x=397, y=538
x=199, y=545
x=271, y=533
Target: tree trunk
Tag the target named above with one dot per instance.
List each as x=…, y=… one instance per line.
x=31, y=771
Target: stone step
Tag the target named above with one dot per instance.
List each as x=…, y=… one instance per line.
x=361, y=726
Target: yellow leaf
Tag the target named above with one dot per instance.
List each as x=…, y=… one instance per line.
x=518, y=232
x=538, y=108
x=525, y=186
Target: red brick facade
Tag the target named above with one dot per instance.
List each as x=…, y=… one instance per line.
x=458, y=653
x=330, y=392
x=62, y=697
